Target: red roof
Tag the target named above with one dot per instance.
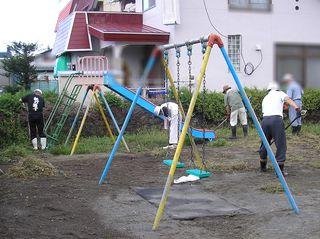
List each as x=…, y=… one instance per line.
x=124, y=27
x=72, y=6
x=79, y=38
x=75, y=31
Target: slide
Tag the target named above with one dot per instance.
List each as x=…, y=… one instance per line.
x=112, y=84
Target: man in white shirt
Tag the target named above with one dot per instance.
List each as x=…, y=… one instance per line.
x=170, y=110
x=273, y=125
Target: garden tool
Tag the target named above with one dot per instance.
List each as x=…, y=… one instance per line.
x=303, y=113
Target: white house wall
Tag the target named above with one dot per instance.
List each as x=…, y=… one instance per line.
x=282, y=25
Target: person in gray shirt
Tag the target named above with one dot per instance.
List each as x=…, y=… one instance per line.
x=235, y=109
x=295, y=92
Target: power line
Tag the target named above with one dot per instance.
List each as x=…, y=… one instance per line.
x=209, y=18
x=249, y=68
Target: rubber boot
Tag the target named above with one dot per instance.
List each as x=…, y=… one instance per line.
x=298, y=129
x=35, y=143
x=294, y=130
x=234, y=132
x=245, y=130
x=263, y=166
x=282, y=170
x=43, y=142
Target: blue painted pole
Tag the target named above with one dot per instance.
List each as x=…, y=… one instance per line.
x=260, y=131
x=129, y=114
x=113, y=118
x=75, y=120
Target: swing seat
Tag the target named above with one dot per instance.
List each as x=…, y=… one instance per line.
x=199, y=173
x=168, y=162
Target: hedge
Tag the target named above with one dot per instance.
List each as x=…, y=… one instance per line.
x=13, y=116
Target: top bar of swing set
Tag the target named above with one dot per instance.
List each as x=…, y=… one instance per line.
x=187, y=43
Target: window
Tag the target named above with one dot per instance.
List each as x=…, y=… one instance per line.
x=148, y=4
x=300, y=60
x=234, y=50
x=258, y=5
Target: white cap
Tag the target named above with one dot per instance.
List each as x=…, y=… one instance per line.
x=273, y=86
x=38, y=90
x=287, y=77
x=157, y=110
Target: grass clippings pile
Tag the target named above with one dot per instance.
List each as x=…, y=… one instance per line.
x=32, y=168
x=274, y=188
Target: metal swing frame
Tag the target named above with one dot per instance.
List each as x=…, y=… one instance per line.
x=198, y=162
x=94, y=96
x=211, y=41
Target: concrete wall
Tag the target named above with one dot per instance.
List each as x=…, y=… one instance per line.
x=283, y=24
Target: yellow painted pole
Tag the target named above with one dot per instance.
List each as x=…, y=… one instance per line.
x=103, y=116
x=81, y=127
x=176, y=96
x=185, y=128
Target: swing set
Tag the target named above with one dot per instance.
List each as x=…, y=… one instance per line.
x=207, y=44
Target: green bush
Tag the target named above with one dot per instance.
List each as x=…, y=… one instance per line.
x=214, y=109
x=115, y=101
x=12, y=126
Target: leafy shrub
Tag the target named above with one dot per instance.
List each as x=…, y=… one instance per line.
x=12, y=126
x=12, y=89
x=115, y=101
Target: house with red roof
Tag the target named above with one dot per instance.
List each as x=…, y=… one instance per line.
x=107, y=28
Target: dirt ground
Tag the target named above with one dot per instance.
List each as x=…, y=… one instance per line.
x=72, y=205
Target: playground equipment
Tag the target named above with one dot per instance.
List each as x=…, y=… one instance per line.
x=136, y=99
x=211, y=41
x=89, y=74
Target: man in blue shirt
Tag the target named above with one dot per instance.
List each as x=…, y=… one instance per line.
x=295, y=92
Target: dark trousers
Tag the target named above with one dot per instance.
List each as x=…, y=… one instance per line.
x=273, y=128
x=36, y=124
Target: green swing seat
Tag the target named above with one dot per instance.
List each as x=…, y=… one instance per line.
x=168, y=162
x=198, y=172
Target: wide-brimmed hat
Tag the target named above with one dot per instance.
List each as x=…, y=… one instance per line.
x=225, y=88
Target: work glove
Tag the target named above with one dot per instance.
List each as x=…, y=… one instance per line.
x=298, y=110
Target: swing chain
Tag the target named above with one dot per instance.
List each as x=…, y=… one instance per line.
x=178, y=55
x=204, y=122
x=189, y=53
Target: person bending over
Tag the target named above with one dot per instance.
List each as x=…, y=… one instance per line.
x=35, y=105
x=170, y=110
x=235, y=108
x=273, y=125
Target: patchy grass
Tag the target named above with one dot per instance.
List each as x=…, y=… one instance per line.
x=14, y=153
x=60, y=150
x=219, y=142
x=274, y=188
x=314, y=164
x=228, y=167
x=151, y=140
x=32, y=168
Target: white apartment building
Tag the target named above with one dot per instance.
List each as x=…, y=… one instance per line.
x=286, y=31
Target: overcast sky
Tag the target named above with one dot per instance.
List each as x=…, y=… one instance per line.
x=29, y=21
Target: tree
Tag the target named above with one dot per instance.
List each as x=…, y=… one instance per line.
x=19, y=65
